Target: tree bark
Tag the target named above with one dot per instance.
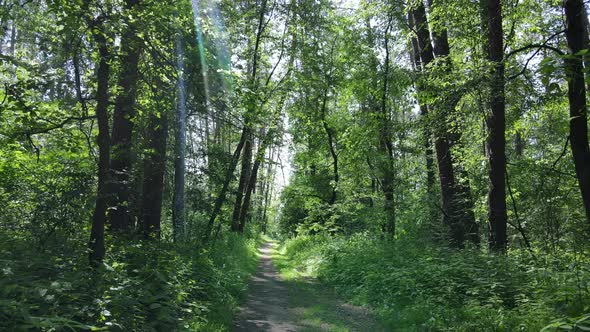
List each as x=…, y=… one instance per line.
x=463, y=222
x=251, y=108
x=223, y=192
x=96, y=244
x=429, y=153
x=178, y=212
x=252, y=180
x=386, y=145
x=333, y=153
x=268, y=189
x=121, y=140
x=153, y=175
x=244, y=179
x=456, y=200
x=496, y=123
x=575, y=35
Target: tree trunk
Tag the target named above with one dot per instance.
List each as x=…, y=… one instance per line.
x=153, y=175
x=330, y=134
x=266, y=142
x=178, y=213
x=121, y=140
x=251, y=108
x=441, y=143
x=223, y=192
x=464, y=221
x=575, y=33
x=429, y=154
x=244, y=179
x=252, y=181
x=496, y=123
x=96, y=244
x=268, y=190
x=12, y=49
x=457, y=206
x=386, y=146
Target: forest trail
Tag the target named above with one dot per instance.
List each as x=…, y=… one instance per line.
x=279, y=305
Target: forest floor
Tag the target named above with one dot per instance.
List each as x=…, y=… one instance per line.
x=297, y=303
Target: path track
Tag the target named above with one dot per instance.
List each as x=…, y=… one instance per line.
x=277, y=305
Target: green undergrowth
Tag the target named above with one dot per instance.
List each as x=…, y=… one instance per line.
x=415, y=286
x=320, y=307
x=146, y=286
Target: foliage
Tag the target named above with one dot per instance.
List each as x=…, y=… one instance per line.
x=148, y=286
x=417, y=286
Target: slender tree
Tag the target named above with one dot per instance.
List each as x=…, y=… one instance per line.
x=99, y=217
x=252, y=103
x=496, y=124
x=154, y=168
x=123, y=123
x=178, y=214
x=576, y=35
x=385, y=140
x=452, y=211
x=331, y=146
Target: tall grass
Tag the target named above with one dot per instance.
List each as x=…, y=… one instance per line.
x=145, y=286
x=415, y=286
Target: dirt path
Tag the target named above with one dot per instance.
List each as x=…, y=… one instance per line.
x=278, y=305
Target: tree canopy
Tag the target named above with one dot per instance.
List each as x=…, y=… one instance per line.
x=433, y=156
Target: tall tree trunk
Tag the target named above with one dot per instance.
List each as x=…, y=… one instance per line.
x=244, y=179
x=12, y=49
x=333, y=153
x=455, y=214
x=246, y=170
x=268, y=189
x=223, y=192
x=252, y=180
x=266, y=141
x=153, y=175
x=96, y=244
x=429, y=153
x=464, y=221
x=575, y=34
x=123, y=119
x=496, y=123
x=386, y=145
x=442, y=146
x=178, y=212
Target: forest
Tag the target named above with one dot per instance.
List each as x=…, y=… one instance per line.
x=294, y=165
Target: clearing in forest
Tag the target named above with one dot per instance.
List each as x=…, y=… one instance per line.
x=300, y=304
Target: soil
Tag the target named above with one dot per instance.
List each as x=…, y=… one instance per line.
x=278, y=305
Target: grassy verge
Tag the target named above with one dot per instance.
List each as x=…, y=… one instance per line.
x=143, y=286
x=319, y=309
x=416, y=287
x=235, y=260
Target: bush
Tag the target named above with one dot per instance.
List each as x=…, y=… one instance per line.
x=414, y=286
x=147, y=286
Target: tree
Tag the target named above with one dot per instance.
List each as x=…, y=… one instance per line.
x=576, y=35
x=252, y=103
x=123, y=123
x=179, y=149
x=96, y=244
x=154, y=168
x=385, y=140
x=456, y=207
x=496, y=123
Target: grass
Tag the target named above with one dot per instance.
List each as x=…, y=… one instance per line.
x=417, y=287
x=142, y=286
x=315, y=304
x=236, y=260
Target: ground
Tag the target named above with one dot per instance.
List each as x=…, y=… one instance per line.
x=296, y=304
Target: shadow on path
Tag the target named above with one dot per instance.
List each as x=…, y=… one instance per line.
x=278, y=305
